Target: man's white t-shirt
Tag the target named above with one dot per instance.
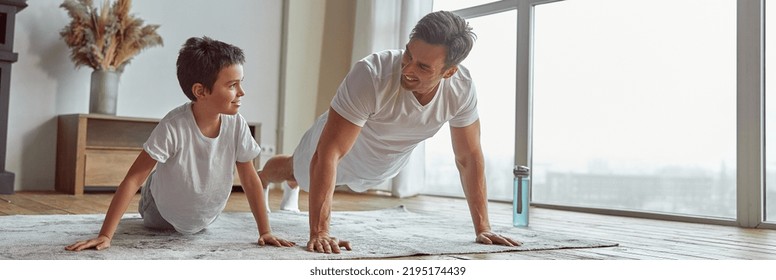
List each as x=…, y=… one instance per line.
x=393, y=121
x=195, y=173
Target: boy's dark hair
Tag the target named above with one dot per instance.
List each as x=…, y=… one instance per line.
x=201, y=59
x=448, y=29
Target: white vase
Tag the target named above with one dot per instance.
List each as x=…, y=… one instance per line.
x=104, y=92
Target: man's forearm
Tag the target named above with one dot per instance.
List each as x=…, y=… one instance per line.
x=322, y=176
x=336, y=139
x=473, y=181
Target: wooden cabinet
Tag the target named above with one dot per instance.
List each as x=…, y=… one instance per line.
x=96, y=151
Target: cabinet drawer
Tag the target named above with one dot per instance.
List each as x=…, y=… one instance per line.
x=107, y=168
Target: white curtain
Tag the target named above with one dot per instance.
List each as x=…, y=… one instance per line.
x=382, y=25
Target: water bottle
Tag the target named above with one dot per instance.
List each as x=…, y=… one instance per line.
x=521, y=196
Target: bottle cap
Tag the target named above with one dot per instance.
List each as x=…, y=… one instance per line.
x=521, y=170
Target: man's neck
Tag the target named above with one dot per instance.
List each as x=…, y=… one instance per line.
x=425, y=98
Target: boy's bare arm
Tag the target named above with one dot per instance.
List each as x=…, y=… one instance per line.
x=127, y=189
x=253, y=192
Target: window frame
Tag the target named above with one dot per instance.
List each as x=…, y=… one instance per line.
x=750, y=181
x=750, y=116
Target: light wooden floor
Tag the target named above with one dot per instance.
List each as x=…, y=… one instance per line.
x=638, y=238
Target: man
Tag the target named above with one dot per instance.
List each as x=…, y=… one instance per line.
x=388, y=103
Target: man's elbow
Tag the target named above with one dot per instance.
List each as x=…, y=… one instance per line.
x=470, y=160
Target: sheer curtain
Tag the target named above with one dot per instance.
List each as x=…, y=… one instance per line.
x=382, y=25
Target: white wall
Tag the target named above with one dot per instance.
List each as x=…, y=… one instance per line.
x=320, y=36
x=45, y=84
x=303, y=58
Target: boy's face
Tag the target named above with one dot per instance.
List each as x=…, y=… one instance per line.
x=227, y=91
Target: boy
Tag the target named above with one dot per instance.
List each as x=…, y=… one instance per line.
x=196, y=146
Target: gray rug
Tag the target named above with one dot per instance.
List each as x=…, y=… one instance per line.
x=373, y=234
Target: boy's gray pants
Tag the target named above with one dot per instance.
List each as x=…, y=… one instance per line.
x=149, y=212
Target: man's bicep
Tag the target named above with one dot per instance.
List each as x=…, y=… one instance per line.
x=466, y=140
x=338, y=135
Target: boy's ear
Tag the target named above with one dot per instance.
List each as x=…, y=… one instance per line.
x=198, y=90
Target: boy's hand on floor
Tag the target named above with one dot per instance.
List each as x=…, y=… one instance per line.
x=99, y=243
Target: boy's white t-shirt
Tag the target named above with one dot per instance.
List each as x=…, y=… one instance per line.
x=194, y=174
x=393, y=121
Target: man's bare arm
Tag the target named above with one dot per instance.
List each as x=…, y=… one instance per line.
x=336, y=140
x=471, y=167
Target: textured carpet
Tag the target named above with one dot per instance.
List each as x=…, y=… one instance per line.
x=373, y=234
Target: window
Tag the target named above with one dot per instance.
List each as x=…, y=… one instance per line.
x=492, y=64
x=635, y=106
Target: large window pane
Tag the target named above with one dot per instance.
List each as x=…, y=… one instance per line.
x=492, y=64
x=635, y=105
x=770, y=114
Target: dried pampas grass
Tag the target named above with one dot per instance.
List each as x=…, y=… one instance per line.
x=108, y=38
